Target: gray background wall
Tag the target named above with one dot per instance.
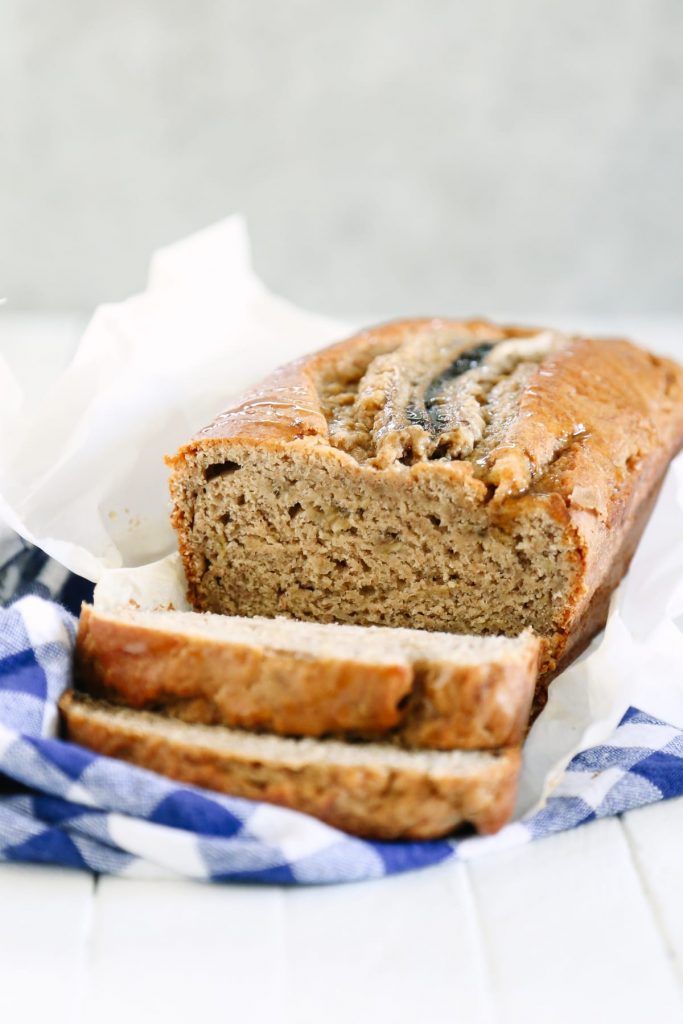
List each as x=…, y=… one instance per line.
x=391, y=156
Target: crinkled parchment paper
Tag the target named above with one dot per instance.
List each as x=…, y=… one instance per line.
x=81, y=471
x=82, y=476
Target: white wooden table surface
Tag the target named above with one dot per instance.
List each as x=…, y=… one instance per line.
x=586, y=925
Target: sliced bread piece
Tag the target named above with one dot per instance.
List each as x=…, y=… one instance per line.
x=433, y=690
x=368, y=789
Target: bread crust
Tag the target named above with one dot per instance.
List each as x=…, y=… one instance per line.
x=587, y=447
x=371, y=800
x=617, y=552
x=430, y=704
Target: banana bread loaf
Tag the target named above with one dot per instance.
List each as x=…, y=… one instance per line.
x=445, y=475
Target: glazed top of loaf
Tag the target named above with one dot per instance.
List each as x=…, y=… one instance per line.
x=509, y=410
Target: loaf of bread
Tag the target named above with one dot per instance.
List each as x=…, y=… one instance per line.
x=443, y=475
x=370, y=789
x=432, y=690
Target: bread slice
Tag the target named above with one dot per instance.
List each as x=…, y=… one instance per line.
x=444, y=475
x=433, y=690
x=371, y=789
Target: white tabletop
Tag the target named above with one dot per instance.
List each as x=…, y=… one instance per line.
x=585, y=925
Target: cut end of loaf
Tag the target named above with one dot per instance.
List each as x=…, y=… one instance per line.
x=307, y=532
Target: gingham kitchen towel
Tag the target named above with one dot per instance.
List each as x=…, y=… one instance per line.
x=25, y=569
x=62, y=804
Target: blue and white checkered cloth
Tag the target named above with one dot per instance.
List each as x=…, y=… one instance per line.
x=62, y=804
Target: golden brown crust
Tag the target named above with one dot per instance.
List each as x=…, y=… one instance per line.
x=588, y=441
x=372, y=800
x=430, y=704
x=617, y=551
x=453, y=710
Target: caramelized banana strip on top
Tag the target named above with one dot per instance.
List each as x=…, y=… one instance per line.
x=399, y=389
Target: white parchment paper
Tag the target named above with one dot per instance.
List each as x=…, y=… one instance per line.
x=82, y=475
x=81, y=470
